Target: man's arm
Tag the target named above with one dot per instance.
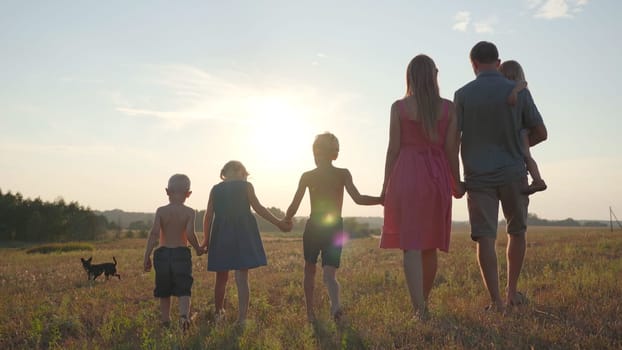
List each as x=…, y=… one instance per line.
x=152, y=241
x=532, y=119
x=537, y=134
x=354, y=192
x=452, y=149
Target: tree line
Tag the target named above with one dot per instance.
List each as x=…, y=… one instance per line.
x=34, y=220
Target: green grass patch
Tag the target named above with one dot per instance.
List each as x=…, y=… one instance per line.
x=60, y=248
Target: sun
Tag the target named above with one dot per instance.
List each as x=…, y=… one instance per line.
x=280, y=129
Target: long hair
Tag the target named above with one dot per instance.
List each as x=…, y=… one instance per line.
x=421, y=83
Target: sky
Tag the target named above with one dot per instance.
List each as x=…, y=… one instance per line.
x=101, y=102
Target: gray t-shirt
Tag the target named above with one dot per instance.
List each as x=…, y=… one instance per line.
x=491, y=144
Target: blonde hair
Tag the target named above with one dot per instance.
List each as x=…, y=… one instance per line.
x=326, y=145
x=421, y=83
x=232, y=166
x=512, y=70
x=179, y=183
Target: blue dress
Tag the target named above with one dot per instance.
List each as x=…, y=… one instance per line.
x=235, y=243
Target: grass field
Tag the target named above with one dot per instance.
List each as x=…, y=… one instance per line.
x=571, y=276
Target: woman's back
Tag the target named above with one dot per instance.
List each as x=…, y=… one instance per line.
x=412, y=132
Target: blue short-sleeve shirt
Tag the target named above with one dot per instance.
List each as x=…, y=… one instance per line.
x=490, y=144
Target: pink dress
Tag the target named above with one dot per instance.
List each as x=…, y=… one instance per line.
x=417, y=204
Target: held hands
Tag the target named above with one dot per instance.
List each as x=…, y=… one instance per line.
x=200, y=250
x=459, y=189
x=286, y=225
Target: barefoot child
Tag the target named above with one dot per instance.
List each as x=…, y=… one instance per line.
x=513, y=71
x=174, y=225
x=325, y=225
x=232, y=236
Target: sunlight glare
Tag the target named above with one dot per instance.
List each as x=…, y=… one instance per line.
x=279, y=129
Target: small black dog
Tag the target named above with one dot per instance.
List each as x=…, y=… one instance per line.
x=93, y=271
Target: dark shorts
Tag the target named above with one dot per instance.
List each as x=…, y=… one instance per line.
x=326, y=239
x=173, y=267
x=483, y=204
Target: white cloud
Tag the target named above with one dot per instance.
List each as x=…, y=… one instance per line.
x=485, y=26
x=554, y=9
x=462, y=20
x=183, y=94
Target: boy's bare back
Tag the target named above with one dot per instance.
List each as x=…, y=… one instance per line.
x=176, y=222
x=326, y=186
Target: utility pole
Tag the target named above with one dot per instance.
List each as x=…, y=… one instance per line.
x=612, y=216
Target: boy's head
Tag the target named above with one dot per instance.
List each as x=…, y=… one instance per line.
x=178, y=187
x=233, y=170
x=512, y=70
x=326, y=147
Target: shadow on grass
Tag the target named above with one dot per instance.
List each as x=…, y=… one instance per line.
x=494, y=329
x=337, y=336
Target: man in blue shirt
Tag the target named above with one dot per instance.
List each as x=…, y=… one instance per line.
x=488, y=137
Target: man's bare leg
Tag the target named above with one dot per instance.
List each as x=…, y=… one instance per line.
x=516, y=255
x=487, y=260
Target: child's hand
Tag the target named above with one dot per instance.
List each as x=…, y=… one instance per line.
x=200, y=251
x=520, y=85
x=205, y=247
x=147, y=264
x=286, y=225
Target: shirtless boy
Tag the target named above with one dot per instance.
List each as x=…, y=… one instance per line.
x=174, y=226
x=325, y=224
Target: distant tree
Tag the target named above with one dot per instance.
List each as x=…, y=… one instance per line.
x=138, y=225
x=594, y=224
x=34, y=220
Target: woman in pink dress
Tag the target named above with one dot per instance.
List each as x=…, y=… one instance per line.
x=417, y=185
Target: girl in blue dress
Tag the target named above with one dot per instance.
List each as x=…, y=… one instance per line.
x=232, y=236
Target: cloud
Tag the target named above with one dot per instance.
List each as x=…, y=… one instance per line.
x=179, y=95
x=554, y=9
x=462, y=20
x=485, y=26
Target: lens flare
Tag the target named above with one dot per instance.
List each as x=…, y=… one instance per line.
x=341, y=238
x=329, y=220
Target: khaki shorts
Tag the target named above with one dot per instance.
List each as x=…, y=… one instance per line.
x=483, y=204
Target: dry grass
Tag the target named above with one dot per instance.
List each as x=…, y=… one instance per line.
x=571, y=277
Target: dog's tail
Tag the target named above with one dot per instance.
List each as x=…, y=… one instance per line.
x=115, y=261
